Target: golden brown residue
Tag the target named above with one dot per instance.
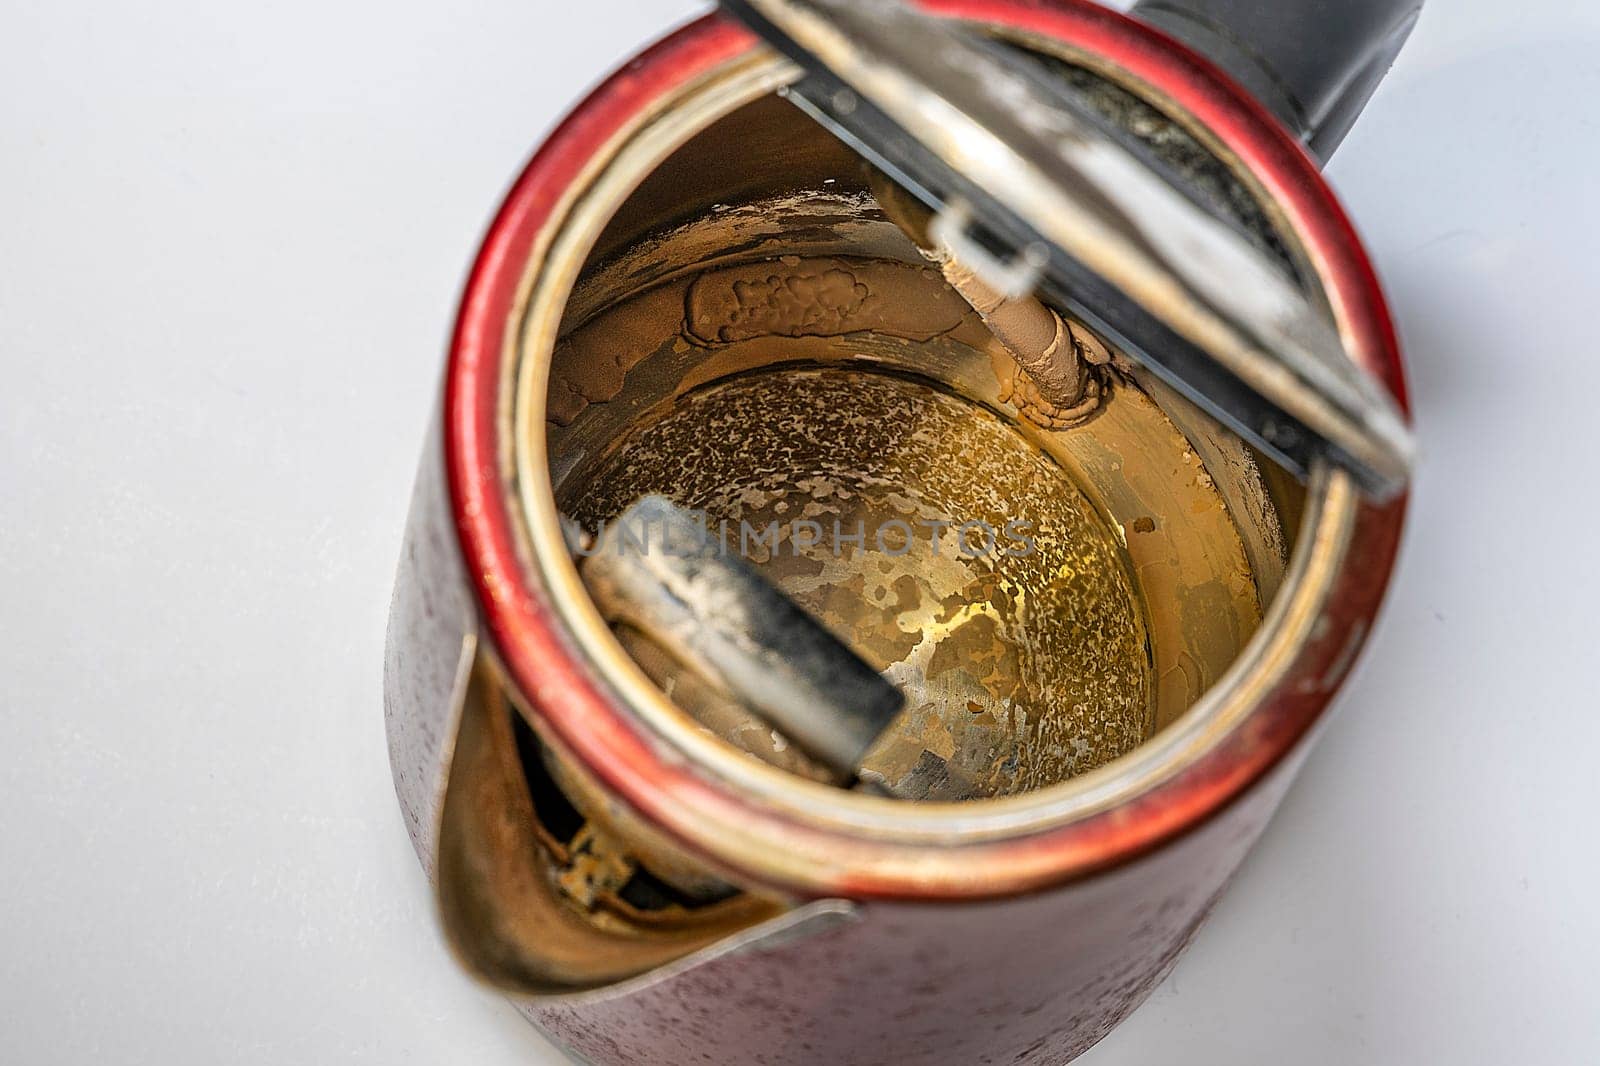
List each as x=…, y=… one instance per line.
x=1020, y=390
x=1194, y=573
x=1048, y=644
x=1056, y=376
x=796, y=297
x=1190, y=563
x=789, y=297
x=595, y=361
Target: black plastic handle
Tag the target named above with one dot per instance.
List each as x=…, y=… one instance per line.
x=1314, y=63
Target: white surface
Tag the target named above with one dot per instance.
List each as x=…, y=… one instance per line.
x=231, y=239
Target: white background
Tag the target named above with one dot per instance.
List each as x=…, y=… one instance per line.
x=231, y=239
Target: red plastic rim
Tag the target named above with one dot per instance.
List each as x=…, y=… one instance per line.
x=539, y=654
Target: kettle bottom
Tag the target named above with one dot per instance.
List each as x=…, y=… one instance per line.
x=949, y=551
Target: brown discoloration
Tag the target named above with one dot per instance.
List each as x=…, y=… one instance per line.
x=1132, y=458
x=1020, y=386
x=531, y=918
x=1053, y=378
x=598, y=865
x=789, y=297
x=1049, y=367
x=596, y=361
x=1049, y=641
x=795, y=297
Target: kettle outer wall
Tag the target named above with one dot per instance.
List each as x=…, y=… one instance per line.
x=1033, y=979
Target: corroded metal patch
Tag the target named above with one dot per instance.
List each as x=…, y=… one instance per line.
x=1024, y=660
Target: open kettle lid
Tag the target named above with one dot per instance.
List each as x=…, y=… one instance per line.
x=1042, y=193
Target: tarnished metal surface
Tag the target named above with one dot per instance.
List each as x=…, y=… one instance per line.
x=674, y=577
x=1024, y=655
x=1021, y=671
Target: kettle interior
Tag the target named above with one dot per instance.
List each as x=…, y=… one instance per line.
x=754, y=338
